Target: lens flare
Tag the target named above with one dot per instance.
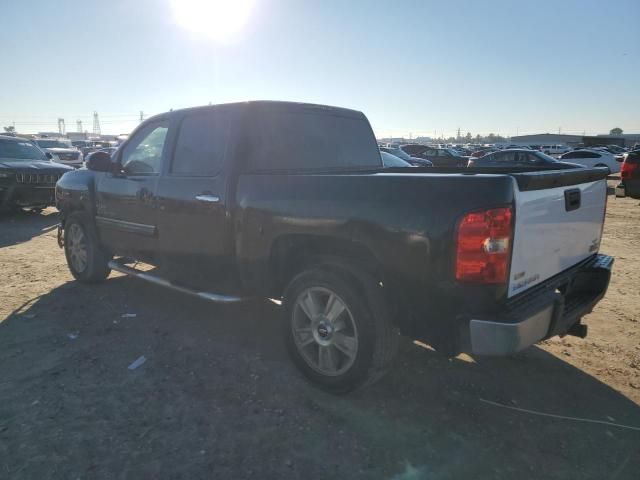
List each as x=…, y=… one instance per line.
x=220, y=20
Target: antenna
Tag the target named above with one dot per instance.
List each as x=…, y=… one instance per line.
x=61, y=128
x=96, y=123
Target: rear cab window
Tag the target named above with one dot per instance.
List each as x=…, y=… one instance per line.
x=308, y=138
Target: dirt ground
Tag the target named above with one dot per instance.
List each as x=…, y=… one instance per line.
x=218, y=398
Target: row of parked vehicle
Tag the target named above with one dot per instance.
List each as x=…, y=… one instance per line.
x=427, y=155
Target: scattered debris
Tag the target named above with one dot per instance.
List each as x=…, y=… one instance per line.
x=73, y=336
x=563, y=417
x=137, y=362
x=29, y=315
x=129, y=315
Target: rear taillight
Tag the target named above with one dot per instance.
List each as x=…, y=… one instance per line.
x=484, y=246
x=629, y=166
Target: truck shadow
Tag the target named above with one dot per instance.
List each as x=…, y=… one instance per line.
x=217, y=380
x=22, y=225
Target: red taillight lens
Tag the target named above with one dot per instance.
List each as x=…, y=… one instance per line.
x=627, y=168
x=484, y=246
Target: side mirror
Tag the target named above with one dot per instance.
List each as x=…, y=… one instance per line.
x=100, y=162
x=48, y=155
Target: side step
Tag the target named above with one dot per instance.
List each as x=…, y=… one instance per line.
x=213, y=297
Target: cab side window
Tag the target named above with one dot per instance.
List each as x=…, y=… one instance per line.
x=201, y=144
x=143, y=154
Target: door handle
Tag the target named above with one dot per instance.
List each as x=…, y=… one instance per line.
x=208, y=198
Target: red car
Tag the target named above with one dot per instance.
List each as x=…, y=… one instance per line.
x=630, y=176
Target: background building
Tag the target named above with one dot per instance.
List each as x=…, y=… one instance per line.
x=547, y=139
x=624, y=140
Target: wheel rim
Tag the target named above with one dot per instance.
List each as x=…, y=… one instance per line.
x=77, y=247
x=324, y=331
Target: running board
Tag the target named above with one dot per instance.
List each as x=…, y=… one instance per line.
x=213, y=297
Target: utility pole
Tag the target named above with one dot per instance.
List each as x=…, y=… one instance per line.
x=458, y=136
x=559, y=130
x=96, y=123
x=141, y=116
x=61, y=127
x=79, y=125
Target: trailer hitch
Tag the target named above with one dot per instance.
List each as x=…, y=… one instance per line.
x=60, y=236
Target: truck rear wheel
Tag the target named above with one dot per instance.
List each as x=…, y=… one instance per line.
x=337, y=329
x=87, y=260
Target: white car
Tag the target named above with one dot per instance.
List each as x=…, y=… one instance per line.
x=557, y=149
x=592, y=158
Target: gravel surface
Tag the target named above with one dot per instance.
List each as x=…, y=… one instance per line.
x=216, y=396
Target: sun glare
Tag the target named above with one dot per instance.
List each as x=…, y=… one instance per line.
x=219, y=20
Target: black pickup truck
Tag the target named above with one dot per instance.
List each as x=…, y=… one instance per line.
x=291, y=202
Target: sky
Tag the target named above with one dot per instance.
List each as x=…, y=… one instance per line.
x=413, y=67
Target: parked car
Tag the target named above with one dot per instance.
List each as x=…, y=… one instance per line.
x=400, y=153
x=27, y=175
x=443, y=157
x=389, y=160
x=592, y=158
x=521, y=147
x=95, y=145
x=630, y=176
x=554, y=149
x=616, y=149
x=413, y=149
x=63, y=150
x=291, y=202
x=481, y=152
x=522, y=158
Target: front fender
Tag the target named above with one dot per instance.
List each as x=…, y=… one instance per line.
x=75, y=191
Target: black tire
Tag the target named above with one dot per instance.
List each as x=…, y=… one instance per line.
x=96, y=266
x=377, y=339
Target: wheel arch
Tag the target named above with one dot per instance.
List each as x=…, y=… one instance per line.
x=291, y=254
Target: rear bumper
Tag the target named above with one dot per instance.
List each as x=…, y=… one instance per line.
x=628, y=188
x=554, y=307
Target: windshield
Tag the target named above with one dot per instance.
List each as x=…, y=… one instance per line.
x=20, y=150
x=544, y=157
x=453, y=152
x=390, y=160
x=53, y=144
x=398, y=152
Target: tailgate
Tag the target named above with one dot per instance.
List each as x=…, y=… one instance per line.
x=558, y=223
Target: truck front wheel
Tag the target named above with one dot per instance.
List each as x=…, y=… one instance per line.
x=337, y=328
x=87, y=260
